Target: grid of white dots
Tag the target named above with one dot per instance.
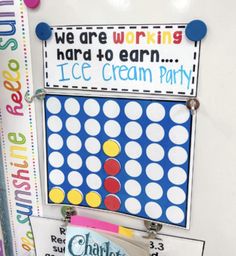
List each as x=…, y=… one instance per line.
x=178, y=135
x=154, y=132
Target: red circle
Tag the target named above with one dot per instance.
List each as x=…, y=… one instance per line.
x=112, y=166
x=112, y=185
x=112, y=202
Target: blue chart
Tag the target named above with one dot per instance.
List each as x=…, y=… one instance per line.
x=123, y=155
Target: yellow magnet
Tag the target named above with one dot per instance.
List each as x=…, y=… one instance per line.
x=75, y=196
x=111, y=148
x=93, y=199
x=57, y=195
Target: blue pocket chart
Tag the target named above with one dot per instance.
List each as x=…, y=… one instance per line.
x=123, y=155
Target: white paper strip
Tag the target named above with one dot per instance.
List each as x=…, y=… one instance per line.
x=17, y=124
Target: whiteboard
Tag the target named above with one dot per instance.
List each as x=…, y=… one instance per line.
x=213, y=195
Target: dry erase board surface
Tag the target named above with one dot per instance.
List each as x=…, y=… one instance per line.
x=214, y=192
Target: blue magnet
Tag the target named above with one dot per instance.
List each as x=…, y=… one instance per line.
x=43, y=31
x=196, y=30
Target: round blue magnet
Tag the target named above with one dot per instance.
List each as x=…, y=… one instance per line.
x=196, y=30
x=43, y=31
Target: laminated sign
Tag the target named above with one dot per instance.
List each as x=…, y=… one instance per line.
x=156, y=59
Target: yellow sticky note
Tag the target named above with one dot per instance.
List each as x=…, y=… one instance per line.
x=126, y=231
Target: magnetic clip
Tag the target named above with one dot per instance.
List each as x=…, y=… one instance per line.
x=67, y=212
x=193, y=104
x=153, y=228
x=39, y=94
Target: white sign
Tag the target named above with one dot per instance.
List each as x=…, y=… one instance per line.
x=176, y=246
x=156, y=59
x=49, y=236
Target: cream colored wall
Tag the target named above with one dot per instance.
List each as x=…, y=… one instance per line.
x=214, y=180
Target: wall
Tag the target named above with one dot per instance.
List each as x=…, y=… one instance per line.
x=214, y=191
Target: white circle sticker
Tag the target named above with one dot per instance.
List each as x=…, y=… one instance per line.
x=179, y=113
x=72, y=106
x=92, y=145
x=92, y=127
x=154, y=191
x=93, y=164
x=112, y=128
x=133, y=149
x=73, y=125
x=94, y=181
x=73, y=143
x=177, y=175
x=133, y=168
x=55, y=141
x=133, y=110
x=154, y=171
x=74, y=161
x=153, y=210
x=91, y=107
x=155, y=152
x=53, y=105
x=175, y=214
x=56, y=159
x=132, y=205
x=111, y=109
x=133, y=188
x=54, y=123
x=155, y=112
x=178, y=134
x=155, y=132
x=56, y=177
x=176, y=195
x=178, y=155
x=133, y=130
x=75, y=179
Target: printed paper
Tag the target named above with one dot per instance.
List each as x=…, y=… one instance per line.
x=156, y=59
x=49, y=236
